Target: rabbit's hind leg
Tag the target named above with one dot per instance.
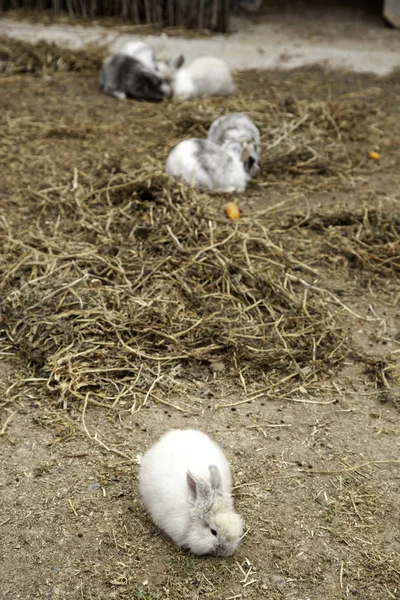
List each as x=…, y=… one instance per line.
x=115, y=93
x=119, y=95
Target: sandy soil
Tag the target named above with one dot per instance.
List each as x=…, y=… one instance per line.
x=316, y=466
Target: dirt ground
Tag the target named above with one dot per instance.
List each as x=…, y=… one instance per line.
x=312, y=432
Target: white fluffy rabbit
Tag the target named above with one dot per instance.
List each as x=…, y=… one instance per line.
x=203, y=164
x=185, y=482
x=205, y=76
x=235, y=131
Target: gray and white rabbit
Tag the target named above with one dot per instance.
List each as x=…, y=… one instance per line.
x=205, y=76
x=203, y=164
x=235, y=131
x=133, y=73
x=185, y=482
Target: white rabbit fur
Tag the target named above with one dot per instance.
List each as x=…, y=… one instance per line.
x=203, y=164
x=205, y=76
x=234, y=131
x=185, y=482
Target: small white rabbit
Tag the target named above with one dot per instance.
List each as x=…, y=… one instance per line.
x=185, y=482
x=203, y=164
x=234, y=131
x=205, y=76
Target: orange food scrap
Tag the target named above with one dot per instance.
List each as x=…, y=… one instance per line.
x=232, y=210
x=374, y=155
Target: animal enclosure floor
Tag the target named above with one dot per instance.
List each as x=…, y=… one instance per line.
x=131, y=305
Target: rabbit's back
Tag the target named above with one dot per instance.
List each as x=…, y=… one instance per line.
x=181, y=450
x=204, y=164
x=205, y=76
x=164, y=492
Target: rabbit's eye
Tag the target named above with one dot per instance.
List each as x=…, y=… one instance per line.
x=213, y=531
x=250, y=162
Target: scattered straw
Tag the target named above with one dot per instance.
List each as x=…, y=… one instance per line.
x=125, y=276
x=96, y=439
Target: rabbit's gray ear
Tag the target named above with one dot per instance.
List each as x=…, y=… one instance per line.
x=198, y=489
x=192, y=485
x=245, y=154
x=215, y=479
x=179, y=61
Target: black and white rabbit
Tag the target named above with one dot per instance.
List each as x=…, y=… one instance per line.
x=236, y=131
x=203, y=164
x=185, y=482
x=133, y=73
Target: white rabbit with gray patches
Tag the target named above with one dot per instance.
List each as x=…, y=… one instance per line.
x=236, y=131
x=185, y=482
x=205, y=76
x=203, y=164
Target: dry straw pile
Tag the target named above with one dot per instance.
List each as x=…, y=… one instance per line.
x=18, y=57
x=114, y=288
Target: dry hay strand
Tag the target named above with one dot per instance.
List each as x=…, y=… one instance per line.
x=113, y=289
x=17, y=57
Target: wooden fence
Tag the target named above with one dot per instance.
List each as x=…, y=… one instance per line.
x=193, y=14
